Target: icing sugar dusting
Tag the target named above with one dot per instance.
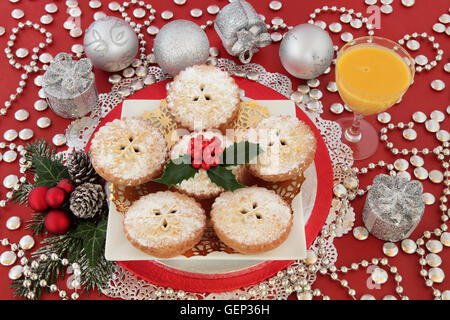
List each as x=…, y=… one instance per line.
x=251, y=215
x=164, y=218
x=202, y=97
x=129, y=148
x=287, y=142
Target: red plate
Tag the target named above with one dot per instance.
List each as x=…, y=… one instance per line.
x=162, y=275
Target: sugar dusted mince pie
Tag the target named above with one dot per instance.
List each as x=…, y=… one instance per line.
x=200, y=186
x=128, y=152
x=251, y=220
x=289, y=147
x=164, y=224
x=203, y=97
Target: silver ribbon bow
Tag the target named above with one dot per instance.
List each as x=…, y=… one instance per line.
x=241, y=29
x=68, y=75
x=394, y=191
x=248, y=42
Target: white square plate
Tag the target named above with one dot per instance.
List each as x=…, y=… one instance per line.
x=118, y=248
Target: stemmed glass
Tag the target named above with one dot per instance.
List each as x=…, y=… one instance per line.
x=372, y=74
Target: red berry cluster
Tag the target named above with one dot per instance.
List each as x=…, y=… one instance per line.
x=41, y=199
x=205, y=152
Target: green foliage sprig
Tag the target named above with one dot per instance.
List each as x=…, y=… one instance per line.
x=84, y=243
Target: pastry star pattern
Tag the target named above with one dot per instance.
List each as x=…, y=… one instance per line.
x=277, y=141
x=127, y=147
x=250, y=212
x=165, y=219
x=201, y=95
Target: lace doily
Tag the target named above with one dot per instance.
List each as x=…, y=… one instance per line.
x=124, y=284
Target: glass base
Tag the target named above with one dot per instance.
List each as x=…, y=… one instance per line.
x=367, y=145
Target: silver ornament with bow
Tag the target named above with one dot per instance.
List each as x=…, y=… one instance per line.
x=393, y=208
x=241, y=30
x=69, y=86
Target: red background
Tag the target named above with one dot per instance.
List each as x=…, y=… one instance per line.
x=420, y=18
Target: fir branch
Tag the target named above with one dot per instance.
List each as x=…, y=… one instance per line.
x=41, y=148
x=36, y=224
x=96, y=277
x=21, y=195
x=93, y=277
x=48, y=270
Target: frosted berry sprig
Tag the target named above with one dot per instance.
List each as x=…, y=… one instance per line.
x=205, y=153
x=209, y=155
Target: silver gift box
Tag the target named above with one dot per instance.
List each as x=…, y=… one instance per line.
x=241, y=30
x=69, y=86
x=394, y=207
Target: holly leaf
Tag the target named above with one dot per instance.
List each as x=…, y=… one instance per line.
x=223, y=177
x=93, y=237
x=240, y=153
x=177, y=170
x=48, y=172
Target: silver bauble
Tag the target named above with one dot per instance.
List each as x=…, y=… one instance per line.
x=180, y=44
x=306, y=51
x=111, y=44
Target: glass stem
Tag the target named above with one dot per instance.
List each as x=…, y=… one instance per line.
x=353, y=134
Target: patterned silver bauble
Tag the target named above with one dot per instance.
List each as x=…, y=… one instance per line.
x=111, y=44
x=180, y=44
x=306, y=51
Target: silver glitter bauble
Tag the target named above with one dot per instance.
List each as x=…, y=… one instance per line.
x=306, y=51
x=111, y=44
x=180, y=44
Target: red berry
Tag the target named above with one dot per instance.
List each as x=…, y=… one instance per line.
x=198, y=154
x=55, y=197
x=196, y=164
x=57, y=221
x=36, y=199
x=207, y=159
x=205, y=166
x=216, y=143
x=66, y=185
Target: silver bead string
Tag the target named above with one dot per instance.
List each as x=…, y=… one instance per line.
x=442, y=153
x=137, y=26
x=9, y=156
x=347, y=16
x=29, y=267
x=32, y=67
x=423, y=64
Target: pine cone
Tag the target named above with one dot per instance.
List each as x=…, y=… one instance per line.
x=87, y=200
x=80, y=168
